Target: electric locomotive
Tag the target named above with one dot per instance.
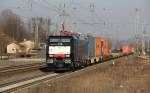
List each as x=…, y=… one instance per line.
x=66, y=52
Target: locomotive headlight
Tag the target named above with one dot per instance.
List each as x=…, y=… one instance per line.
x=50, y=61
x=67, y=61
x=50, y=55
x=67, y=55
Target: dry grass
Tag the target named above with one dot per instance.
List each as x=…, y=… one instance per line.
x=127, y=76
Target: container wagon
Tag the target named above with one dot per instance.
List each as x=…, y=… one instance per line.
x=91, y=49
x=97, y=49
x=116, y=52
x=104, y=49
x=126, y=49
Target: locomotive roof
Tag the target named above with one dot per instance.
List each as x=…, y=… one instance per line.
x=73, y=36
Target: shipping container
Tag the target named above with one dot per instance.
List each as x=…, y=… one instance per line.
x=126, y=49
x=80, y=46
x=97, y=47
x=106, y=49
x=91, y=46
x=91, y=49
x=102, y=47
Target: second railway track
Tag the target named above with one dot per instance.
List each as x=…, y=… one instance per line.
x=20, y=68
x=11, y=86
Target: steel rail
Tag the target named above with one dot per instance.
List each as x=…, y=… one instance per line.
x=48, y=78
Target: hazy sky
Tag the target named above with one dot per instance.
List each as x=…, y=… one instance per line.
x=112, y=18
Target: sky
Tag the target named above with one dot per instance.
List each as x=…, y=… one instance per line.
x=106, y=18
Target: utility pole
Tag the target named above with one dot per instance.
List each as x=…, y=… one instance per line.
x=92, y=10
x=48, y=24
x=148, y=46
x=92, y=7
x=32, y=24
x=1, y=50
x=63, y=14
x=143, y=39
x=33, y=29
x=36, y=33
x=18, y=29
x=2, y=36
x=63, y=17
x=136, y=31
x=107, y=14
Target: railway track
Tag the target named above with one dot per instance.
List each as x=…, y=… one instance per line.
x=8, y=73
x=20, y=68
x=13, y=86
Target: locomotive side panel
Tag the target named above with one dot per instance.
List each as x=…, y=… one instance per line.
x=80, y=50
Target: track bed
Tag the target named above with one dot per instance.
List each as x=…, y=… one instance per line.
x=130, y=75
x=124, y=75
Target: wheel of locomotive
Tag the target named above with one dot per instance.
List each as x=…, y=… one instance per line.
x=82, y=64
x=77, y=64
x=86, y=63
x=95, y=61
x=73, y=67
x=99, y=60
x=89, y=62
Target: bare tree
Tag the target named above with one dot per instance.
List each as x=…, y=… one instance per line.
x=11, y=28
x=12, y=25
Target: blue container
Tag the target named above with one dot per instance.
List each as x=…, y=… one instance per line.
x=80, y=49
x=91, y=46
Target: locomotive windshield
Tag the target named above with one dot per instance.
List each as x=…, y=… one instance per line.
x=60, y=41
x=59, y=45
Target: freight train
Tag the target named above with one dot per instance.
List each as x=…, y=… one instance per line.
x=67, y=52
x=123, y=50
x=70, y=52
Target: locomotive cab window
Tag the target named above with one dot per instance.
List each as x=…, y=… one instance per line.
x=60, y=41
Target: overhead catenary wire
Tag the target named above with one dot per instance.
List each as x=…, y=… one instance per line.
x=81, y=21
x=44, y=6
x=50, y=4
